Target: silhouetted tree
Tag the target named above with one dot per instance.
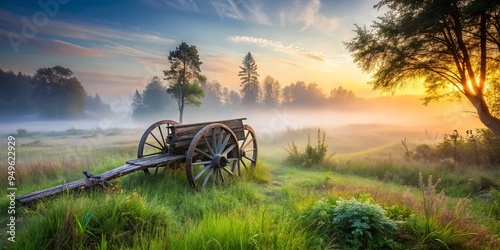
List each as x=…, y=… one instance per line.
x=271, y=91
x=453, y=45
x=184, y=70
x=250, y=89
x=234, y=98
x=300, y=94
x=58, y=93
x=137, y=105
x=213, y=93
x=15, y=93
x=94, y=104
x=341, y=93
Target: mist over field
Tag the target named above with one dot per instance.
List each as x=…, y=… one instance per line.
x=357, y=125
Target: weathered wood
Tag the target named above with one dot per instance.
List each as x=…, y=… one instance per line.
x=130, y=167
x=179, y=140
x=183, y=134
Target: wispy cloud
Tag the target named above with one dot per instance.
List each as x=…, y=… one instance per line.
x=329, y=59
x=54, y=47
x=306, y=13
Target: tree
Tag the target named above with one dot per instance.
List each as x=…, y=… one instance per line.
x=137, y=105
x=16, y=94
x=272, y=91
x=250, y=88
x=95, y=105
x=154, y=100
x=184, y=70
x=453, y=45
x=58, y=93
x=341, y=93
x=300, y=94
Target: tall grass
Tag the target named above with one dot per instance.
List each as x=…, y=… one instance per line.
x=258, y=210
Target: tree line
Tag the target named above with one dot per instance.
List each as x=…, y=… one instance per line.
x=186, y=86
x=52, y=93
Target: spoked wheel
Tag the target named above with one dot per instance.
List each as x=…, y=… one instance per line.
x=211, y=156
x=155, y=140
x=248, y=150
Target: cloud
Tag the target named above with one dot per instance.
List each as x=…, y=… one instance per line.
x=90, y=32
x=279, y=47
x=53, y=47
x=306, y=13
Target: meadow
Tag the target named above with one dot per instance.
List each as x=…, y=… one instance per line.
x=281, y=204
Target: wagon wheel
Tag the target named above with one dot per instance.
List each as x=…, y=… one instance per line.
x=155, y=140
x=211, y=156
x=248, y=150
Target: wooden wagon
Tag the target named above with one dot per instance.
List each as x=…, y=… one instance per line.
x=212, y=152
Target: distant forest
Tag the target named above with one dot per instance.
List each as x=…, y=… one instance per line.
x=52, y=93
x=154, y=99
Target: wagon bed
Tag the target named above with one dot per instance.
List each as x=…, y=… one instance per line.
x=211, y=152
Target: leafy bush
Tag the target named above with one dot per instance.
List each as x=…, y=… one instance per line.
x=354, y=223
x=362, y=225
x=313, y=155
x=479, y=147
x=21, y=132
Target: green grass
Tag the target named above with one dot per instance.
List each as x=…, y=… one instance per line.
x=259, y=210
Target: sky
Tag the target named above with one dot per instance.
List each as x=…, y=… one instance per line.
x=115, y=47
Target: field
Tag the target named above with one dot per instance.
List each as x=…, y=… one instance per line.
x=265, y=208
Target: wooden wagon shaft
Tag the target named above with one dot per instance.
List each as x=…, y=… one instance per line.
x=130, y=167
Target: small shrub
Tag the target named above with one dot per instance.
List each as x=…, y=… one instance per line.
x=21, y=132
x=362, y=225
x=354, y=223
x=313, y=155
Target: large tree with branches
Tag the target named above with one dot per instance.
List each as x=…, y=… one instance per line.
x=452, y=45
x=184, y=75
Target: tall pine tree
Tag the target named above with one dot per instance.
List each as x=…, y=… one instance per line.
x=250, y=89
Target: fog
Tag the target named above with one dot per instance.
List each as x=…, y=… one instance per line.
x=355, y=126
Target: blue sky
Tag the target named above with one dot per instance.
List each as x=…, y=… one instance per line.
x=115, y=47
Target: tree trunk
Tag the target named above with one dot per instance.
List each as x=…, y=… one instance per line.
x=181, y=113
x=484, y=114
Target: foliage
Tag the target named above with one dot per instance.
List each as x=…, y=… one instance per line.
x=400, y=48
x=479, y=147
x=154, y=100
x=356, y=224
x=271, y=92
x=96, y=105
x=303, y=95
x=184, y=71
x=250, y=88
x=362, y=225
x=58, y=93
x=15, y=96
x=313, y=155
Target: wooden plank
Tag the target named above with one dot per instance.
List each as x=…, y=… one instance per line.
x=157, y=160
x=130, y=167
x=182, y=135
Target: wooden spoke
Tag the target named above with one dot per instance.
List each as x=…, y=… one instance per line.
x=202, y=171
x=154, y=141
x=223, y=146
x=201, y=163
x=248, y=149
x=208, y=145
x=213, y=150
x=151, y=145
x=228, y=149
x=203, y=153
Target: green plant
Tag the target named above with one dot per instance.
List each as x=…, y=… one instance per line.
x=312, y=155
x=356, y=223
x=21, y=132
x=362, y=225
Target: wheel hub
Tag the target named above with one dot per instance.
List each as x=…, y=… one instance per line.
x=219, y=161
